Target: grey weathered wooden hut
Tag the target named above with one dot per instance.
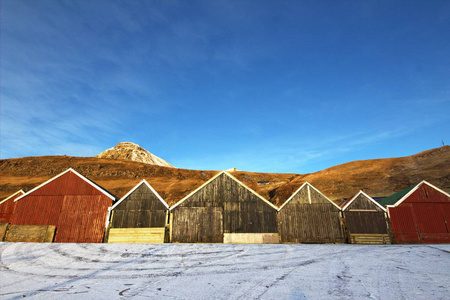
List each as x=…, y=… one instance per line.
x=140, y=216
x=308, y=216
x=224, y=210
x=365, y=220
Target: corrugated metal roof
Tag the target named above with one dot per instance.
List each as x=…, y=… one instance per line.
x=392, y=199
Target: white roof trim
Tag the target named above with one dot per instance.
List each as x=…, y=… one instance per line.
x=196, y=190
x=11, y=196
x=301, y=187
x=252, y=191
x=62, y=173
x=232, y=177
x=414, y=189
x=135, y=187
x=367, y=196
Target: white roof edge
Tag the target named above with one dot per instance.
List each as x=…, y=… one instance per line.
x=232, y=177
x=252, y=191
x=324, y=196
x=301, y=187
x=370, y=198
x=292, y=196
x=196, y=190
x=143, y=181
x=62, y=173
x=414, y=189
x=12, y=195
x=351, y=200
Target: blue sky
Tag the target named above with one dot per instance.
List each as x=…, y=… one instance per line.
x=270, y=86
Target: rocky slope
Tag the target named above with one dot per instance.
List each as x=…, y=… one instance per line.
x=377, y=177
x=133, y=152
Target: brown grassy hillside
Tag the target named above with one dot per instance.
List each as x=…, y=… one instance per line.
x=377, y=177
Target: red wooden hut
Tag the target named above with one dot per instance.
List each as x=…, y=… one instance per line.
x=71, y=202
x=420, y=214
x=8, y=206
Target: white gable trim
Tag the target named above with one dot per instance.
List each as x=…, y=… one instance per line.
x=60, y=174
x=232, y=177
x=415, y=189
x=311, y=186
x=196, y=190
x=367, y=196
x=11, y=196
x=292, y=196
x=135, y=187
x=252, y=191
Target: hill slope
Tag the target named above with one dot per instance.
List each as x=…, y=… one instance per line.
x=377, y=177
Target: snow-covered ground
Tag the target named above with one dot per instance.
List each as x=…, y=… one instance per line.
x=219, y=271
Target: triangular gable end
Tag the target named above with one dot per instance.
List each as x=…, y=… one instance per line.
x=415, y=189
x=252, y=191
x=365, y=195
x=137, y=186
x=12, y=196
x=196, y=190
x=311, y=186
x=233, y=178
x=62, y=173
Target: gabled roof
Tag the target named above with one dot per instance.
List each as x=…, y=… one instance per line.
x=392, y=199
x=138, y=185
x=300, y=188
x=74, y=172
x=21, y=192
x=232, y=177
x=397, y=198
x=347, y=203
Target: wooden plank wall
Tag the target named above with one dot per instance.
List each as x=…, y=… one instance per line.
x=300, y=221
x=363, y=216
x=141, y=209
x=222, y=206
x=30, y=233
x=136, y=235
x=251, y=238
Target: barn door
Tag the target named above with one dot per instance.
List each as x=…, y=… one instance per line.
x=197, y=225
x=80, y=221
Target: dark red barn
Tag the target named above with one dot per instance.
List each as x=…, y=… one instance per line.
x=71, y=202
x=420, y=214
x=8, y=206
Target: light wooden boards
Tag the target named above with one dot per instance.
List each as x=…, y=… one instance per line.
x=136, y=235
x=370, y=239
x=251, y=238
x=30, y=233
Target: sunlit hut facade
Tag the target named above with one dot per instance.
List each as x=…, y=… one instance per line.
x=365, y=220
x=224, y=210
x=140, y=216
x=310, y=217
x=419, y=214
x=8, y=206
x=71, y=202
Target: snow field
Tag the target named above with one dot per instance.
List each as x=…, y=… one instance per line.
x=223, y=271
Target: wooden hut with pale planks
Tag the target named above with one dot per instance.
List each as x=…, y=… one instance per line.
x=223, y=210
x=365, y=220
x=140, y=216
x=308, y=216
x=69, y=202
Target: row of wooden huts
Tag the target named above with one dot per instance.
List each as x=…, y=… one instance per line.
x=72, y=208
